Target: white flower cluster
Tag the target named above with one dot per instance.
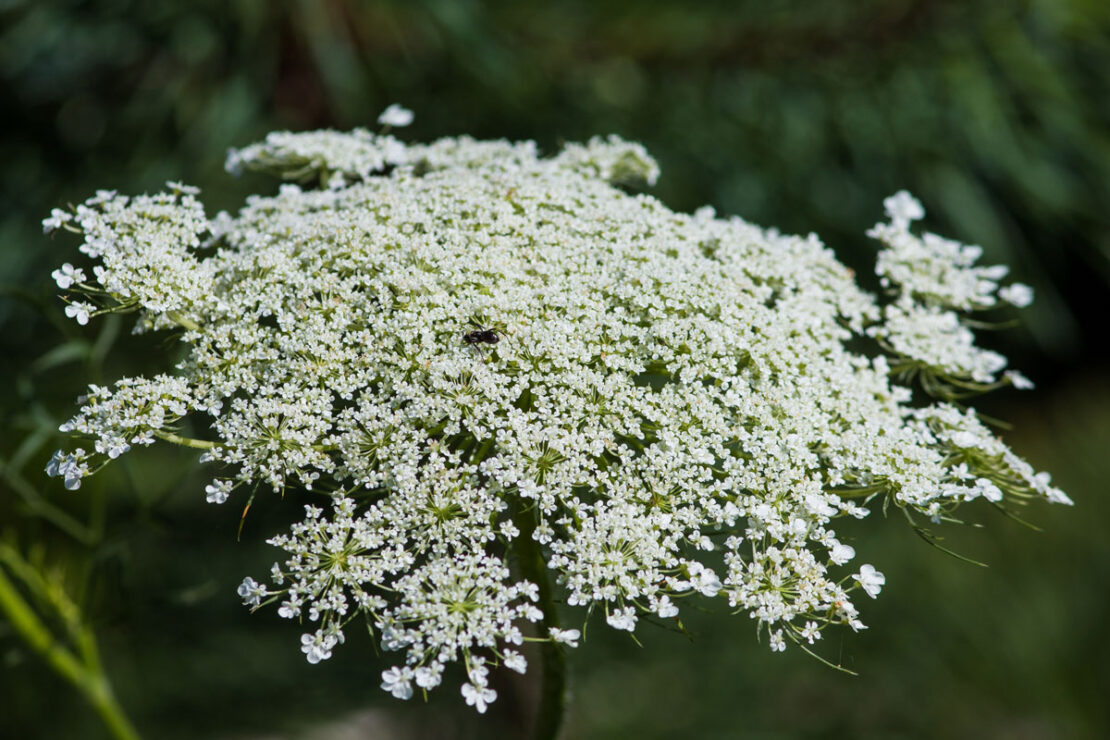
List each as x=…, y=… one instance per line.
x=466, y=349
x=145, y=249
x=934, y=278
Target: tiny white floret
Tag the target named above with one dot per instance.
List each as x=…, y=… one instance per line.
x=395, y=116
x=567, y=637
x=870, y=580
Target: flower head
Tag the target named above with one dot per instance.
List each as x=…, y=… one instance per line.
x=464, y=349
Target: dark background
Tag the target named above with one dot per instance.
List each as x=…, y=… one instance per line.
x=795, y=114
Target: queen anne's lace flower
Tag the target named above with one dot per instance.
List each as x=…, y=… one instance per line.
x=464, y=349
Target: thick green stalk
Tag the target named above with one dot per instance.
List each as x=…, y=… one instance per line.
x=87, y=676
x=553, y=685
x=104, y=701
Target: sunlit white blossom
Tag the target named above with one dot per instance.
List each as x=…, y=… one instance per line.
x=217, y=491
x=566, y=637
x=70, y=467
x=870, y=580
x=251, y=592
x=56, y=220
x=398, y=681
x=80, y=311
x=665, y=607
x=623, y=619
x=478, y=697
x=902, y=208
x=395, y=116
x=1017, y=294
x=67, y=275
x=428, y=677
x=461, y=351
x=514, y=661
x=318, y=646
x=841, y=553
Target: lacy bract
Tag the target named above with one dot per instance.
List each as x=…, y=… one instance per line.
x=461, y=345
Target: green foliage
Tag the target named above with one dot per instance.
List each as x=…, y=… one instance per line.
x=794, y=113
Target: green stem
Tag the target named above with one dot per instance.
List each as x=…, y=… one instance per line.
x=25, y=622
x=200, y=444
x=182, y=321
x=861, y=492
x=88, y=678
x=553, y=687
x=204, y=444
x=99, y=693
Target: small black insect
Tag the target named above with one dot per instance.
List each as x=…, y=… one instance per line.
x=481, y=336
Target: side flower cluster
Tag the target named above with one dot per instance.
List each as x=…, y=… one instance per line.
x=935, y=280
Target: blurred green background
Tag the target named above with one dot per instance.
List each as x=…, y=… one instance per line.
x=795, y=114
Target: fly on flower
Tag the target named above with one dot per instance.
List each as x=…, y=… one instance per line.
x=481, y=336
